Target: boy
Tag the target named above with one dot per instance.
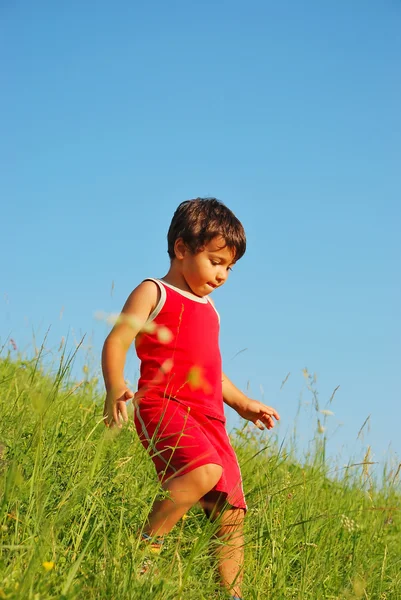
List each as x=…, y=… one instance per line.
x=179, y=413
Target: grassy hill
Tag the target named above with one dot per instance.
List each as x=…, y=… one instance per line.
x=73, y=496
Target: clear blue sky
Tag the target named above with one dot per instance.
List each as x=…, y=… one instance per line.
x=289, y=112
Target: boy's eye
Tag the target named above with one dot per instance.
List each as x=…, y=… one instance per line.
x=215, y=263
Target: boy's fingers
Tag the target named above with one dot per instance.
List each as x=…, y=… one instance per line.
x=268, y=422
x=115, y=420
x=271, y=412
x=116, y=413
x=106, y=416
x=123, y=410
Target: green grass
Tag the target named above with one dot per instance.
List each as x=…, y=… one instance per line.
x=73, y=496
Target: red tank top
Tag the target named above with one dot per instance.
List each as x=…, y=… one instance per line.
x=179, y=352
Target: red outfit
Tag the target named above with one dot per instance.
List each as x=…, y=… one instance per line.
x=179, y=414
x=192, y=351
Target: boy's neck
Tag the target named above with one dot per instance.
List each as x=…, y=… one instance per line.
x=174, y=277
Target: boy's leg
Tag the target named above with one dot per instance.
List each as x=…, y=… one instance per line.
x=230, y=549
x=230, y=552
x=184, y=492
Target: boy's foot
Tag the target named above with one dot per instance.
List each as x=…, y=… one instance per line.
x=152, y=546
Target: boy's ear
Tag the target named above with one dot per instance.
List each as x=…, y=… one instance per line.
x=180, y=249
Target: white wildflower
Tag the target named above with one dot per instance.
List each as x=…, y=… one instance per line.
x=112, y=318
x=164, y=335
x=348, y=524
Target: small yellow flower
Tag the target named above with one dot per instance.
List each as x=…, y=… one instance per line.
x=196, y=379
x=48, y=565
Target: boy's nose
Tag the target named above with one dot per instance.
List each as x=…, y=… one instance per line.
x=221, y=276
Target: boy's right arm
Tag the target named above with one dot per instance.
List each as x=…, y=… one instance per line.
x=139, y=305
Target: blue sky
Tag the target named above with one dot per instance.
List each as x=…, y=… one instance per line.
x=288, y=112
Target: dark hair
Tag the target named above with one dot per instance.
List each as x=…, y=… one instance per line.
x=198, y=221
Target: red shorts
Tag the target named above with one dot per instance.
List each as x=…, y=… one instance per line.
x=180, y=439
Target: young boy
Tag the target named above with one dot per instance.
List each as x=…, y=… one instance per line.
x=179, y=413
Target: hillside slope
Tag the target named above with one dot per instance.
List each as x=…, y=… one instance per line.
x=74, y=496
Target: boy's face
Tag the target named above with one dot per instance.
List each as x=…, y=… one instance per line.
x=206, y=270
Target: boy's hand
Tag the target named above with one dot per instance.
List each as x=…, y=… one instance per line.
x=260, y=414
x=115, y=409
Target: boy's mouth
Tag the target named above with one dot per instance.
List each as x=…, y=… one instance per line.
x=212, y=285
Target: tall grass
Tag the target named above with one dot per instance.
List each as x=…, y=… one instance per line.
x=74, y=495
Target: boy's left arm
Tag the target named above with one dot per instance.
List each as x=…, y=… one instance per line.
x=252, y=410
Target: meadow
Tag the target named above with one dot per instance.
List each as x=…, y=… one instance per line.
x=74, y=496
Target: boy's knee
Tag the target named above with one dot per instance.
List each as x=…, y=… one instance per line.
x=238, y=516
x=209, y=475
x=232, y=520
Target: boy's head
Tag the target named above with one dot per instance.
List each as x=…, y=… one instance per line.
x=199, y=221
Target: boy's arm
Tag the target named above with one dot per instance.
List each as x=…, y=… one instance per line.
x=252, y=410
x=134, y=315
